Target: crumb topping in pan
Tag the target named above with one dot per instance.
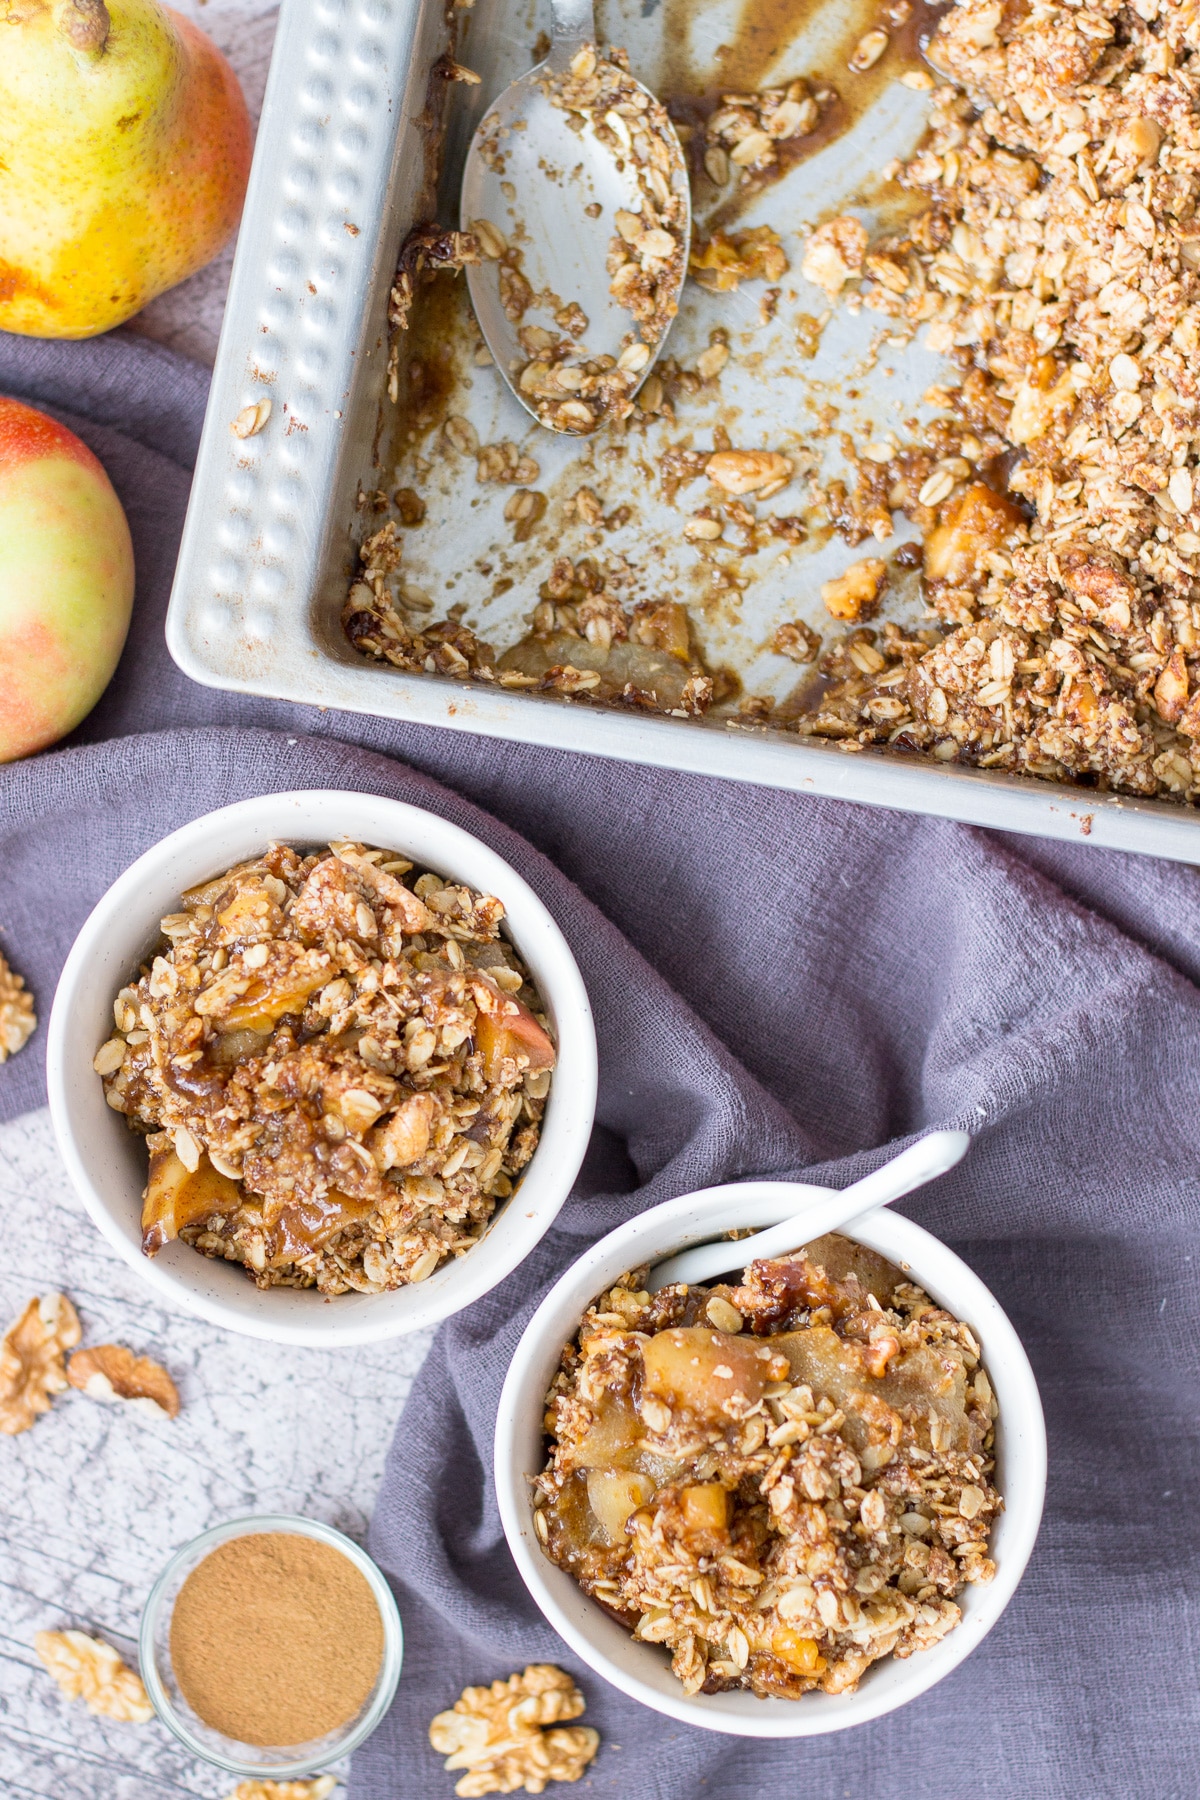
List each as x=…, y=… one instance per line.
x=1055, y=260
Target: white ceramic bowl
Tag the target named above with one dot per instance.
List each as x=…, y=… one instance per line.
x=642, y=1670
x=107, y=1161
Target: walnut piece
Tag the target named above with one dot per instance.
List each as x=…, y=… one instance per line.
x=723, y=261
x=88, y=1670
x=834, y=253
x=854, y=593
x=18, y=1021
x=31, y=1360
x=111, y=1372
x=749, y=471
x=497, y=1734
x=795, y=640
x=317, y=1789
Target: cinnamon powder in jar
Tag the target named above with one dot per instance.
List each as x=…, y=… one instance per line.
x=276, y=1639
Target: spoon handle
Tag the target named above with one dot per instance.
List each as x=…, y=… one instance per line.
x=572, y=25
x=923, y=1161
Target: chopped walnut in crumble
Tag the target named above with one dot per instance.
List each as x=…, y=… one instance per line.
x=1058, y=263
x=781, y=1481
x=796, y=640
x=513, y=1735
x=90, y=1670
x=724, y=260
x=339, y=1073
x=18, y=1021
x=504, y=462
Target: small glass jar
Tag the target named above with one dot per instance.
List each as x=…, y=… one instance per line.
x=276, y=1762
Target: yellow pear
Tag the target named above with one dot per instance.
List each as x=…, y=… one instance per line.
x=124, y=153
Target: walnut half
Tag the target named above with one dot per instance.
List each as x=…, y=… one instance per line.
x=87, y=1669
x=318, y=1789
x=111, y=1372
x=18, y=1021
x=31, y=1360
x=498, y=1734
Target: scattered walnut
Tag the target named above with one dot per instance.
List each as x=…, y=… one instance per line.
x=88, y=1670
x=251, y=419
x=31, y=1360
x=461, y=435
x=111, y=1372
x=834, y=253
x=318, y=1789
x=853, y=594
x=796, y=641
x=497, y=1734
x=18, y=1021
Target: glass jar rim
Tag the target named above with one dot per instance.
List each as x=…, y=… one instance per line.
x=189, y=1556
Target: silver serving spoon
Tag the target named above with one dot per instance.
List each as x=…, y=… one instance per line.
x=923, y=1161
x=550, y=195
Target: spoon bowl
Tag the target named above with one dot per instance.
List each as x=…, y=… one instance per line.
x=556, y=190
x=823, y=1211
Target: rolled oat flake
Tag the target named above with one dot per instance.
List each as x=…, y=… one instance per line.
x=276, y=1639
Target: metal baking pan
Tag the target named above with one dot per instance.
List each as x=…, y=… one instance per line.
x=356, y=125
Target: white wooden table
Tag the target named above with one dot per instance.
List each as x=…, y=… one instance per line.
x=94, y=1498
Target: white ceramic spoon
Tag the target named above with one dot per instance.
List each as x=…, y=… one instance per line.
x=557, y=192
x=923, y=1161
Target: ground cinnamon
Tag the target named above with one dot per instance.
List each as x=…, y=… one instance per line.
x=276, y=1639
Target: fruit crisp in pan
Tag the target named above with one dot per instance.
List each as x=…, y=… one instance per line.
x=1050, y=248
x=339, y=1072
x=781, y=1482
x=1061, y=171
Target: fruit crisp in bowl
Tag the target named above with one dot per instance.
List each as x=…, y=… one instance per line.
x=340, y=1069
x=781, y=1482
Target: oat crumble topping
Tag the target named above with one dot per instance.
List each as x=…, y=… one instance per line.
x=742, y=137
x=339, y=1073
x=781, y=1481
x=1057, y=261
x=1057, y=492
x=646, y=256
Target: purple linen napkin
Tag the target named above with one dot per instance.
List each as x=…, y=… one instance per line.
x=782, y=985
